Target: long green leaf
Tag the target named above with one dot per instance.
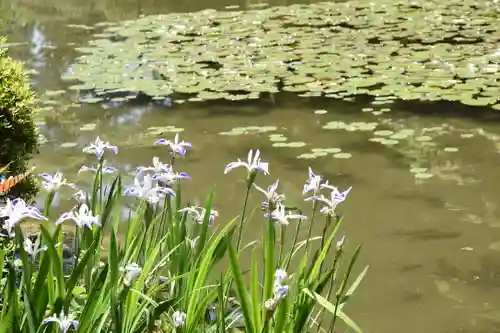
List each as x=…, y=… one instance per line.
x=331, y=308
x=94, y=305
x=246, y=305
x=55, y=259
x=77, y=273
x=254, y=291
x=197, y=280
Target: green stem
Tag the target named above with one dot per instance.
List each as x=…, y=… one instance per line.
x=282, y=242
x=295, y=237
x=335, y=311
x=330, y=288
x=325, y=228
x=323, y=236
x=101, y=162
x=242, y=219
x=311, y=225
x=48, y=203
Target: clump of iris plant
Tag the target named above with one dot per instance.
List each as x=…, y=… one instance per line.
x=146, y=259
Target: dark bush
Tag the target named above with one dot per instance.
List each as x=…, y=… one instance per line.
x=18, y=132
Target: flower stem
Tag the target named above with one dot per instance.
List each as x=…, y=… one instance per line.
x=242, y=219
x=325, y=228
x=289, y=259
x=282, y=243
x=338, y=256
x=311, y=225
x=101, y=162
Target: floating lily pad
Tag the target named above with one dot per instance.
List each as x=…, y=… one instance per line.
x=423, y=138
x=277, y=138
x=389, y=142
x=383, y=133
x=326, y=150
x=50, y=102
x=399, y=136
x=160, y=130
x=320, y=112
x=296, y=144
x=418, y=170
x=335, y=125
x=88, y=127
x=52, y=93
x=342, y=155
x=451, y=149
x=423, y=175
x=91, y=100
x=307, y=156
x=280, y=144
x=69, y=144
x=404, y=50
x=119, y=99
x=251, y=130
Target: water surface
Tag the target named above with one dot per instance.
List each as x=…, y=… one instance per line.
x=432, y=240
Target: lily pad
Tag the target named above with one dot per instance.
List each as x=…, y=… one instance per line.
x=69, y=144
x=389, y=142
x=423, y=138
x=384, y=133
x=280, y=144
x=320, y=112
x=52, y=93
x=297, y=144
x=423, y=175
x=88, y=127
x=277, y=138
x=391, y=50
x=307, y=156
x=342, y=155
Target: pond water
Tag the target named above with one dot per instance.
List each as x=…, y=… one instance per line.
x=425, y=183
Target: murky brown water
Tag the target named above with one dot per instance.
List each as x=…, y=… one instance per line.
x=433, y=244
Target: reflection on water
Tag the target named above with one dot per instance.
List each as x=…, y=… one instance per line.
x=425, y=207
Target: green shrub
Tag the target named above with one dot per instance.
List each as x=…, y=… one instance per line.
x=18, y=133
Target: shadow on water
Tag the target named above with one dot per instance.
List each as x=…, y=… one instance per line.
x=267, y=101
x=448, y=108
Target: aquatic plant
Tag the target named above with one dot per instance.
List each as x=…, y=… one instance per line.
x=163, y=267
x=18, y=133
x=409, y=50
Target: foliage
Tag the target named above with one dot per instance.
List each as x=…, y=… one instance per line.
x=161, y=271
x=18, y=133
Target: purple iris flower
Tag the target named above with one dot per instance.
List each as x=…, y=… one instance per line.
x=253, y=164
x=97, y=148
x=15, y=211
x=177, y=147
